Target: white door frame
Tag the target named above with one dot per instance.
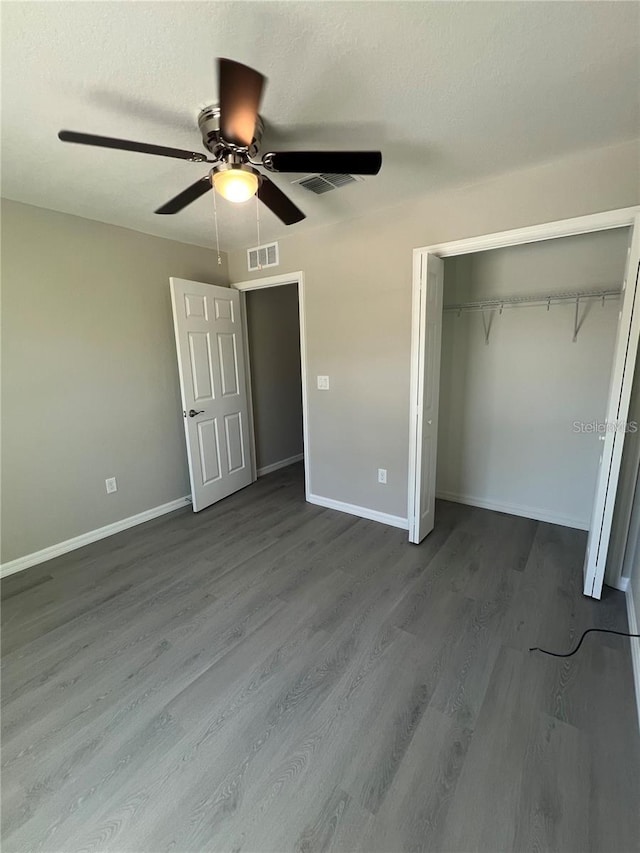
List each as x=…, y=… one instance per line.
x=277, y=281
x=605, y=221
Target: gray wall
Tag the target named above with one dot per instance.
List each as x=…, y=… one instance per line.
x=276, y=386
x=358, y=306
x=627, y=484
x=506, y=437
x=631, y=568
x=89, y=376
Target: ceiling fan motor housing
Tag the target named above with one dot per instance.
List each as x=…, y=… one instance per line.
x=209, y=124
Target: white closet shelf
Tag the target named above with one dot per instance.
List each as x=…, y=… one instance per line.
x=488, y=307
x=497, y=304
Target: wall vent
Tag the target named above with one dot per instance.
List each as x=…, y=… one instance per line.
x=263, y=256
x=319, y=184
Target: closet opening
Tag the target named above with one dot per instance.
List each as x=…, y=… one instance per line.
x=523, y=363
x=528, y=335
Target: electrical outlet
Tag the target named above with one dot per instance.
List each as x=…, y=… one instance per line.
x=382, y=475
x=323, y=383
x=111, y=485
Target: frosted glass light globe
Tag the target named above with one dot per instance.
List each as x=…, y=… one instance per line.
x=236, y=184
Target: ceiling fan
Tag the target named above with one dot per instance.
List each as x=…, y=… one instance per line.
x=232, y=132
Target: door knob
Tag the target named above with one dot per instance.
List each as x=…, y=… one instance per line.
x=193, y=413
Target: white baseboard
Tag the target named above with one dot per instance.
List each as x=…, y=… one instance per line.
x=52, y=551
x=621, y=583
x=515, y=509
x=361, y=511
x=635, y=645
x=276, y=466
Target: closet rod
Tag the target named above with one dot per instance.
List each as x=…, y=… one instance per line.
x=526, y=301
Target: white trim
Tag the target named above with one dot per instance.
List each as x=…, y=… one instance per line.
x=635, y=645
x=269, y=281
x=52, y=551
x=414, y=409
x=535, y=233
x=247, y=370
x=532, y=512
x=275, y=281
x=607, y=492
x=283, y=463
x=620, y=583
x=605, y=221
x=360, y=511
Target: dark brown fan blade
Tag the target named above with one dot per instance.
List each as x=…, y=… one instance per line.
x=278, y=203
x=127, y=145
x=240, y=95
x=327, y=162
x=186, y=196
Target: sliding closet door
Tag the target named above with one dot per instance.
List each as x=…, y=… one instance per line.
x=423, y=500
x=624, y=360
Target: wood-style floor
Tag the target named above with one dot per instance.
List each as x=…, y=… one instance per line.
x=272, y=676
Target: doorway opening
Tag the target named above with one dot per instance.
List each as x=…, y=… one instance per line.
x=475, y=310
x=275, y=359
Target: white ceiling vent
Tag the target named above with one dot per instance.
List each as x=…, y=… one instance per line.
x=319, y=184
x=263, y=256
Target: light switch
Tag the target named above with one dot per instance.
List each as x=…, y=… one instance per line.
x=323, y=383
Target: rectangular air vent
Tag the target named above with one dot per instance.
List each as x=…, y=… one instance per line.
x=263, y=256
x=319, y=184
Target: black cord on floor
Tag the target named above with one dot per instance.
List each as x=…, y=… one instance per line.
x=588, y=631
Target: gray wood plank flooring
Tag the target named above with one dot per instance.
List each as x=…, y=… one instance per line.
x=268, y=675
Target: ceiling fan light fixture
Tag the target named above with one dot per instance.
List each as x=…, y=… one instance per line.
x=236, y=183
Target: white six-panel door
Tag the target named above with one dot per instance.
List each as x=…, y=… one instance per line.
x=624, y=359
x=210, y=348
x=422, y=502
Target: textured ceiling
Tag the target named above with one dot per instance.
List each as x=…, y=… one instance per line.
x=451, y=92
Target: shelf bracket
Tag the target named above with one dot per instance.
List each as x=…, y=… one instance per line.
x=577, y=323
x=487, y=321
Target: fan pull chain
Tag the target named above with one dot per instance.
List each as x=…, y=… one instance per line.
x=215, y=217
x=258, y=224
